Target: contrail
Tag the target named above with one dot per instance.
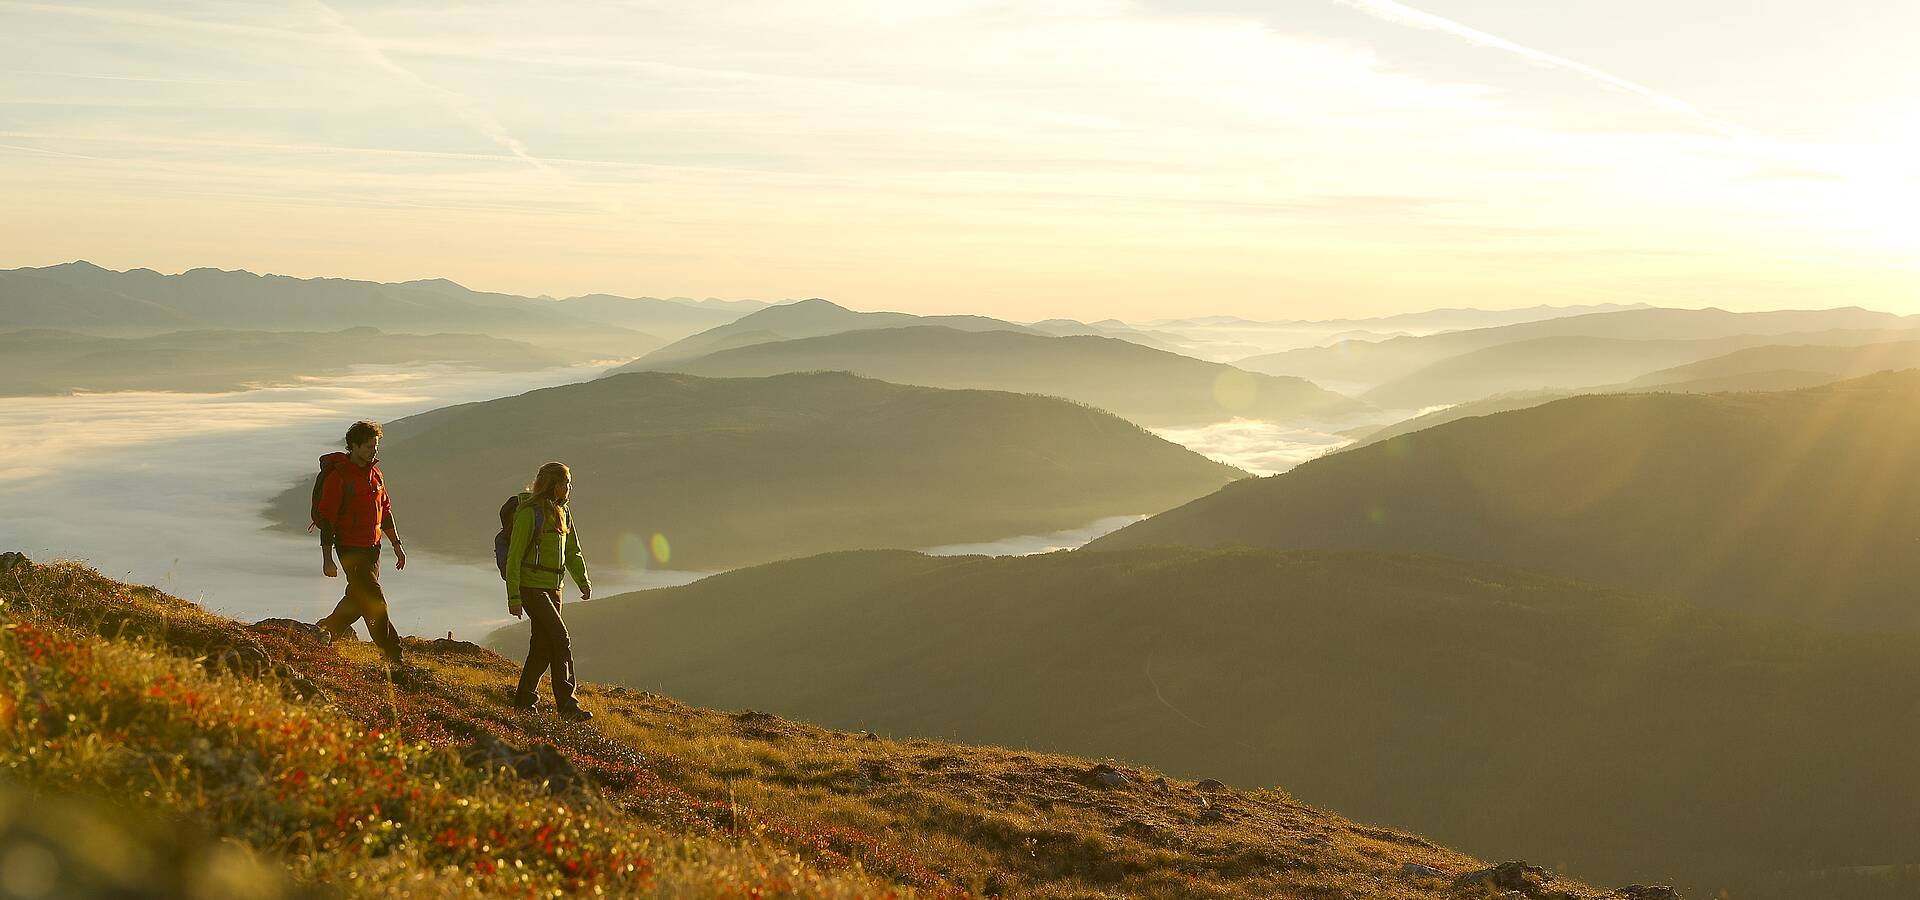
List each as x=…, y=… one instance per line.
x=480, y=120
x=1402, y=14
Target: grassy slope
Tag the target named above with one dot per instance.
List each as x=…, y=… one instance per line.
x=736, y=471
x=1802, y=503
x=1149, y=386
x=360, y=789
x=49, y=362
x=1623, y=736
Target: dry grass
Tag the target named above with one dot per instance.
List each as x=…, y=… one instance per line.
x=360, y=786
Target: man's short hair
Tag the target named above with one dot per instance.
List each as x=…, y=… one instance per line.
x=362, y=432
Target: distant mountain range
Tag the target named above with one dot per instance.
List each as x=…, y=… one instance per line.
x=1611, y=732
x=1231, y=338
x=730, y=472
x=1152, y=387
x=1767, y=368
x=1576, y=362
x=1421, y=371
x=42, y=361
x=807, y=318
x=1427, y=321
x=1801, y=503
x=80, y=296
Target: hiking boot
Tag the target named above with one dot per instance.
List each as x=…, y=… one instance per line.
x=524, y=705
x=575, y=714
x=336, y=635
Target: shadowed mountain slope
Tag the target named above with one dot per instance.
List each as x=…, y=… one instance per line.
x=804, y=319
x=1149, y=386
x=55, y=362
x=738, y=471
x=310, y=756
x=1615, y=734
x=1802, y=503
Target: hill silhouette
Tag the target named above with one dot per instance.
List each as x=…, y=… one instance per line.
x=668, y=319
x=80, y=296
x=1148, y=386
x=1832, y=362
x=806, y=318
x=1617, y=734
x=1543, y=363
x=1229, y=338
x=1797, y=503
x=1761, y=380
x=1377, y=363
x=55, y=362
x=737, y=471
x=309, y=758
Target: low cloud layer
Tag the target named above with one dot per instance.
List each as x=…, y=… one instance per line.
x=167, y=489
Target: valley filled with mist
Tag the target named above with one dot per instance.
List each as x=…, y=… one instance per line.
x=1624, y=588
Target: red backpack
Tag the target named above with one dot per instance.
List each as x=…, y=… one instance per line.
x=327, y=464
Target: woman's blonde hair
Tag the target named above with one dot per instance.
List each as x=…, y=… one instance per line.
x=542, y=489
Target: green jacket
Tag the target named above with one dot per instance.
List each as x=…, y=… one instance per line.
x=536, y=562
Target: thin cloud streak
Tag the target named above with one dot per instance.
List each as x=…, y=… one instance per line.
x=479, y=119
x=1402, y=14
x=143, y=79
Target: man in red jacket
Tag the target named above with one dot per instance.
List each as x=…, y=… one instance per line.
x=353, y=511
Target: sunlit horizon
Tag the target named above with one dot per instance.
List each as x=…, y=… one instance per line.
x=1081, y=158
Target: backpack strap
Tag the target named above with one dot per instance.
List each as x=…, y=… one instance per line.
x=533, y=547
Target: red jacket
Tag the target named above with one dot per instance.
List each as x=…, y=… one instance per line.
x=357, y=521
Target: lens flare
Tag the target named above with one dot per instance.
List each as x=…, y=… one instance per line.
x=662, y=551
x=630, y=550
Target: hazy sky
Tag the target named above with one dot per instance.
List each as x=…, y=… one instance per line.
x=1060, y=157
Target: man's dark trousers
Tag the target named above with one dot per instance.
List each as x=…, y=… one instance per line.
x=364, y=599
x=548, y=646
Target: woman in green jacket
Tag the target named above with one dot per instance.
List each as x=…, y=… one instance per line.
x=544, y=547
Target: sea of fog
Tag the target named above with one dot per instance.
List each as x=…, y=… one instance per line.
x=1263, y=448
x=169, y=489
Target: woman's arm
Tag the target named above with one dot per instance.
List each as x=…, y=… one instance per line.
x=576, y=561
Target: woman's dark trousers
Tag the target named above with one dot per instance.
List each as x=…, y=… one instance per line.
x=548, y=647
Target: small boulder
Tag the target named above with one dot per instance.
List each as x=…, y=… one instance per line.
x=1646, y=892
x=540, y=763
x=306, y=630
x=12, y=558
x=1516, y=879
x=1103, y=776
x=1420, y=870
x=1209, y=785
x=246, y=660
x=451, y=647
